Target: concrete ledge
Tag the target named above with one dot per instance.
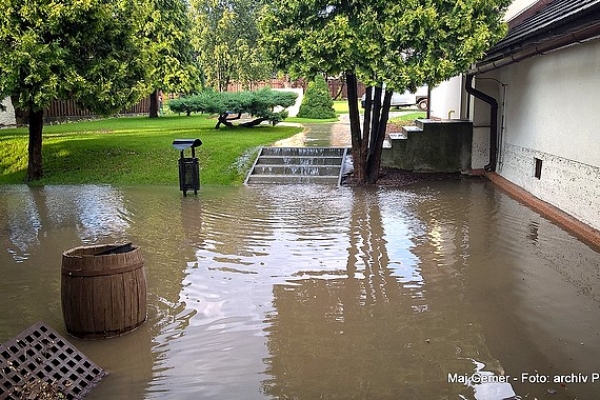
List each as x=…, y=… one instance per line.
x=435, y=146
x=410, y=128
x=572, y=225
x=397, y=135
x=387, y=144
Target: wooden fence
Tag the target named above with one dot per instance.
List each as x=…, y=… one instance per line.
x=64, y=110
x=337, y=89
x=272, y=83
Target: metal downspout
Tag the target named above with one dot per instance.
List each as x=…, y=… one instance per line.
x=493, y=120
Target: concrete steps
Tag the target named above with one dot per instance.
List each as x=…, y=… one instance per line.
x=294, y=165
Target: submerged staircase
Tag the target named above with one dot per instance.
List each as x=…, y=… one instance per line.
x=281, y=165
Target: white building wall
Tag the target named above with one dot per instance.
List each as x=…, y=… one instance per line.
x=293, y=110
x=517, y=7
x=551, y=113
x=7, y=117
x=479, y=112
x=446, y=99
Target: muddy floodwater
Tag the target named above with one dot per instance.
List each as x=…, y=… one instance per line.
x=438, y=290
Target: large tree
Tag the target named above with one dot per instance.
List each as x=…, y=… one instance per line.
x=225, y=38
x=165, y=37
x=390, y=46
x=56, y=49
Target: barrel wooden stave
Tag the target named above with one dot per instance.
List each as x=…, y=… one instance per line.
x=102, y=295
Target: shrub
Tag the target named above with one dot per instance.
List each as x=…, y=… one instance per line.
x=259, y=104
x=317, y=103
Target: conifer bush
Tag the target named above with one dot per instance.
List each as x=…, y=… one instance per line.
x=317, y=103
x=260, y=104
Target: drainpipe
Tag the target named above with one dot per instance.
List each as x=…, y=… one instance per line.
x=493, y=120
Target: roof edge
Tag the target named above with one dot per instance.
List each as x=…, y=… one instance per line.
x=574, y=37
x=528, y=12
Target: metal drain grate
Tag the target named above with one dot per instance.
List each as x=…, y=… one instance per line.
x=40, y=358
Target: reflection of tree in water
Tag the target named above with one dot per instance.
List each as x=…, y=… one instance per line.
x=44, y=222
x=36, y=225
x=168, y=228
x=369, y=335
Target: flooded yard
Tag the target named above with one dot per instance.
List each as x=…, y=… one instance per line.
x=438, y=290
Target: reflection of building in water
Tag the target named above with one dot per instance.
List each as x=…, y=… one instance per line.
x=393, y=327
x=21, y=221
x=552, y=291
x=28, y=213
x=96, y=211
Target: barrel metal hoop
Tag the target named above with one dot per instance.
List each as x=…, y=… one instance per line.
x=106, y=334
x=104, y=272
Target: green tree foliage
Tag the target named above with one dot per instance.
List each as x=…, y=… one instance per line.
x=261, y=104
x=225, y=38
x=164, y=34
x=401, y=45
x=317, y=102
x=82, y=50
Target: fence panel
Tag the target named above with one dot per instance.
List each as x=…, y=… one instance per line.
x=339, y=90
x=62, y=110
x=272, y=83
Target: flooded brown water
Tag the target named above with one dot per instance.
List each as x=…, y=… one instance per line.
x=439, y=290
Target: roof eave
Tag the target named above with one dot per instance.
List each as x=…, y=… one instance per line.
x=529, y=50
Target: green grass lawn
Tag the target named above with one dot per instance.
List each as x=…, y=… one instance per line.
x=136, y=150
x=341, y=107
x=408, y=118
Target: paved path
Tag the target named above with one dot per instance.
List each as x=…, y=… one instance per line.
x=335, y=134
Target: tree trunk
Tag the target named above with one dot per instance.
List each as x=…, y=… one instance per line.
x=154, y=104
x=36, y=125
x=375, y=117
x=254, y=122
x=378, y=136
x=367, y=124
x=358, y=156
x=224, y=119
x=340, y=91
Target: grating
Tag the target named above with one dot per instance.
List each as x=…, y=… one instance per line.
x=40, y=360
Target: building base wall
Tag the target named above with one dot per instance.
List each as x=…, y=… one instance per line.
x=567, y=184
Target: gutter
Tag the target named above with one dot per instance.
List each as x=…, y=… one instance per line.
x=510, y=56
x=493, y=119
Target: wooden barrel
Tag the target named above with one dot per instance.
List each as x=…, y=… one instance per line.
x=103, y=290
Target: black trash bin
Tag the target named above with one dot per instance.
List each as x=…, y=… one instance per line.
x=189, y=168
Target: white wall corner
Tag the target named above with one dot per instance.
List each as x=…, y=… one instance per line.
x=7, y=117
